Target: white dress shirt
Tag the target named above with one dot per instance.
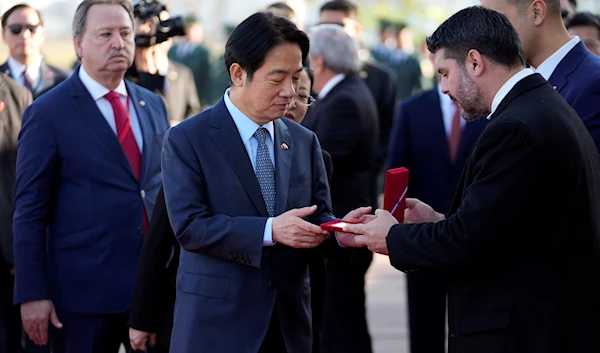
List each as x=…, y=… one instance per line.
x=331, y=84
x=18, y=70
x=97, y=91
x=507, y=87
x=546, y=69
x=246, y=128
x=448, y=110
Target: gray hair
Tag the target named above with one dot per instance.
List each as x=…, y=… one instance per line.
x=338, y=49
x=79, y=21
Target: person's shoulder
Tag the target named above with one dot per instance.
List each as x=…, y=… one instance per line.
x=420, y=98
x=59, y=73
x=180, y=68
x=12, y=85
x=297, y=130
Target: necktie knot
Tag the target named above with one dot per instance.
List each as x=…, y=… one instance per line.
x=261, y=135
x=112, y=96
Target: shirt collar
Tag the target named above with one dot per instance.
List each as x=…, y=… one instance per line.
x=331, y=84
x=246, y=126
x=17, y=68
x=549, y=65
x=507, y=87
x=96, y=90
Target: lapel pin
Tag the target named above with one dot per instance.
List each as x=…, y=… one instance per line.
x=554, y=87
x=284, y=146
x=142, y=103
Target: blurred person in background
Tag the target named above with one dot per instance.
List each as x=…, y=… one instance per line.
x=380, y=81
x=284, y=10
x=152, y=68
x=587, y=27
x=14, y=98
x=405, y=64
x=191, y=52
x=23, y=31
x=561, y=59
x=567, y=9
x=88, y=172
x=345, y=120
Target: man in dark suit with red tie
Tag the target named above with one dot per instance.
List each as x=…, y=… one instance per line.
x=431, y=139
x=88, y=171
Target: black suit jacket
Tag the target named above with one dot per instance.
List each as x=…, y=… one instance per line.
x=346, y=123
x=154, y=291
x=520, y=247
x=15, y=98
x=51, y=76
x=382, y=84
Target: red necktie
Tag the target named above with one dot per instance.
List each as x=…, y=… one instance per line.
x=126, y=138
x=455, y=133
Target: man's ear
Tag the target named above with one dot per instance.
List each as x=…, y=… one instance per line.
x=537, y=12
x=474, y=63
x=317, y=64
x=238, y=75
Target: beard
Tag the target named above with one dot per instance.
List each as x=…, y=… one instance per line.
x=470, y=99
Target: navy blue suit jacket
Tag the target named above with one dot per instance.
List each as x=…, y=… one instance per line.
x=79, y=206
x=577, y=79
x=228, y=283
x=419, y=143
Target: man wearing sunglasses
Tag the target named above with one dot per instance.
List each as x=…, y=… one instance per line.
x=562, y=60
x=23, y=32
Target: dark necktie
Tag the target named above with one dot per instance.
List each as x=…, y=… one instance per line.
x=27, y=82
x=455, y=134
x=265, y=172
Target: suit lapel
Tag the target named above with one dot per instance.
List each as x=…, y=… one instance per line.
x=227, y=138
x=5, y=69
x=145, y=121
x=528, y=83
x=284, y=152
x=47, y=76
x=90, y=114
x=566, y=67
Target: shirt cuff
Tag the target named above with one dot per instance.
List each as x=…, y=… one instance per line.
x=336, y=239
x=268, y=234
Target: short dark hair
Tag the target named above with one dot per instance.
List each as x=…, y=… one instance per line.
x=584, y=19
x=9, y=12
x=573, y=2
x=481, y=29
x=251, y=41
x=345, y=6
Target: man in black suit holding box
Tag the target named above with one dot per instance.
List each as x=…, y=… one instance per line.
x=520, y=246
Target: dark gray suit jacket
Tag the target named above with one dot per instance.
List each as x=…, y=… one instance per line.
x=16, y=98
x=228, y=283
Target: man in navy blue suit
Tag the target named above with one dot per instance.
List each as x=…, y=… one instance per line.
x=562, y=60
x=245, y=191
x=430, y=138
x=88, y=171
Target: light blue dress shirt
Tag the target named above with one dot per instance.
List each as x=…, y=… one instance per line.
x=246, y=128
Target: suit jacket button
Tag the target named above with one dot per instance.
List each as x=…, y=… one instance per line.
x=143, y=194
x=272, y=284
x=140, y=230
x=231, y=257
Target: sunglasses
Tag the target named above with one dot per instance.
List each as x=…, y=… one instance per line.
x=17, y=28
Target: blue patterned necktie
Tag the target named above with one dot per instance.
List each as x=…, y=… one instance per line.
x=265, y=173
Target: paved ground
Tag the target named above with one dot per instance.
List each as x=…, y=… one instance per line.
x=386, y=307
